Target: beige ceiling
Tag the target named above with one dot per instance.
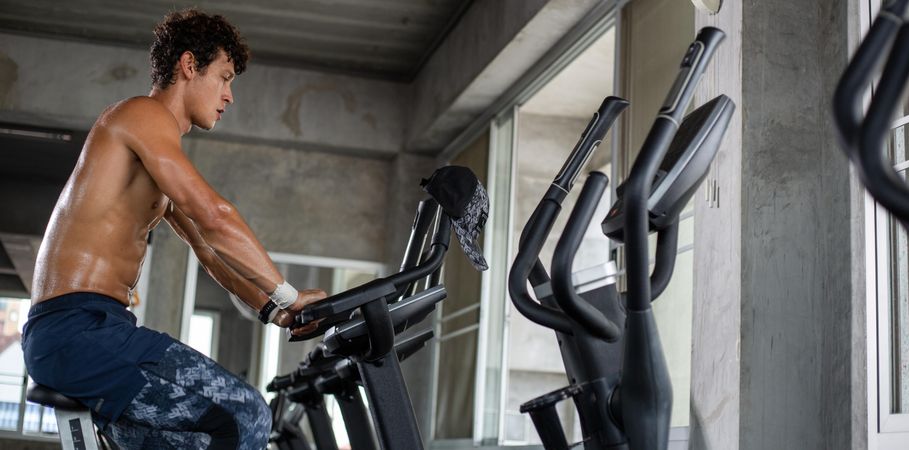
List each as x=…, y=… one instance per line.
x=578, y=90
x=387, y=39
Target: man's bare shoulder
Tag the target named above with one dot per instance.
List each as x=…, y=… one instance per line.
x=137, y=113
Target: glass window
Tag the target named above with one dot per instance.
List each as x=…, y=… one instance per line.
x=457, y=327
x=203, y=332
x=16, y=414
x=892, y=244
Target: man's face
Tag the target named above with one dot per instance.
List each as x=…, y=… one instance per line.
x=211, y=92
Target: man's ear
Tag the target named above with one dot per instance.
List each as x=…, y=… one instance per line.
x=186, y=65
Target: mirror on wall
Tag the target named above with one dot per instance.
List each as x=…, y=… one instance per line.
x=709, y=6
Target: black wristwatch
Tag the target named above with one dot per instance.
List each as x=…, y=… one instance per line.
x=266, y=310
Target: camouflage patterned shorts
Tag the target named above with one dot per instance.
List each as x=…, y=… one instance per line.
x=189, y=401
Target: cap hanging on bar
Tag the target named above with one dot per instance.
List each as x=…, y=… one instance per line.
x=464, y=199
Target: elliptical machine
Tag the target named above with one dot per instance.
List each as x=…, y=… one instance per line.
x=619, y=380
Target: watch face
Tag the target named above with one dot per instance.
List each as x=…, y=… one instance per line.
x=710, y=6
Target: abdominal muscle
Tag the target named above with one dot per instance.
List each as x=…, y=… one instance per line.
x=96, y=239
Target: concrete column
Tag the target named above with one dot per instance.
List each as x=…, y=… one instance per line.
x=164, y=305
x=774, y=254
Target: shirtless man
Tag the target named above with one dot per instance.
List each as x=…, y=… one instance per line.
x=145, y=389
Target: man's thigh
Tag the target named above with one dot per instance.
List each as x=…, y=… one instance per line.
x=188, y=398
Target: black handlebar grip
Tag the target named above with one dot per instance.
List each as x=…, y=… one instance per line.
x=347, y=301
x=280, y=382
x=590, y=139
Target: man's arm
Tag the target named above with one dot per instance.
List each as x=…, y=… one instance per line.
x=214, y=265
x=226, y=276
x=152, y=133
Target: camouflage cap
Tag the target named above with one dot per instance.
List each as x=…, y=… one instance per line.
x=464, y=200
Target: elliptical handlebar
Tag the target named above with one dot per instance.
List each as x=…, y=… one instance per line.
x=640, y=180
x=591, y=138
x=592, y=319
x=527, y=266
x=646, y=386
x=862, y=138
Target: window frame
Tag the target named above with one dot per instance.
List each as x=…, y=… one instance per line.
x=886, y=430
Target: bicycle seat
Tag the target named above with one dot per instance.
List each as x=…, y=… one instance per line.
x=46, y=396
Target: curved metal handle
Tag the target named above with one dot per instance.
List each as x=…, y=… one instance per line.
x=859, y=74
x=532, y=239
x=527, y=266
x=881, y=180
x=563, y=289
x=640, y=180
x=426, y=213
x=863, y=138
x=590, y=139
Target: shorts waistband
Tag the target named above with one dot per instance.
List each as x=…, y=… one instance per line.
x=73, y=300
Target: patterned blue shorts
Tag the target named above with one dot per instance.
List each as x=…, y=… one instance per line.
x=191, y=402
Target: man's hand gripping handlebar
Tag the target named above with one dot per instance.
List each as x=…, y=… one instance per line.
x=287, y=318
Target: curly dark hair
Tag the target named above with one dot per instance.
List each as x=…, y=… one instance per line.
x=203, y=35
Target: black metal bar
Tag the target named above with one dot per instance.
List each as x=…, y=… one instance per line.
x=390, y=406
x=356, y=419
x=563, y=289
x=646, y=386
x=664, y=265
x=320, y=423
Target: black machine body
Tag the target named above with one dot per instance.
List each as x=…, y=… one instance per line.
x=683, y=169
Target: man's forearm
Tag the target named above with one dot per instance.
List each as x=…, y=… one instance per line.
x=231, y=250
x=235, y=245
x=229, y=279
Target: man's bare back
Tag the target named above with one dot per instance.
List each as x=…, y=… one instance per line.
x=97, y=236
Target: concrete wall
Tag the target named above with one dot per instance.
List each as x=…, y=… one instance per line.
x=67, y=84
x=795, y=240
x=494, y=44
x=715, y=365
x=776, y=249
